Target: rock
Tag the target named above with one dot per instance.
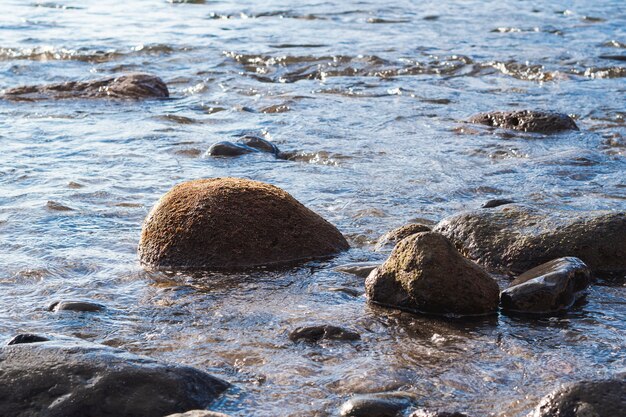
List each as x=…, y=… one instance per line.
x=497, y=202
x=244, y=145
x=426, y=274
x=389, y=239
x=131, y=86
x=68, y=377
x=314, y=334
x=231, y=223
x=547, y=288
x=82, y=306
x=527, y=121
x=199, y=413
x=431, y=413
x=360, y=269
x=602, y=398
x=26, y=338
x=377, y=405
x=515, y=238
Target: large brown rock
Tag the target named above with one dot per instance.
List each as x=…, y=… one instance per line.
x=603, y=398
x=547, y=288
x=134, y=86
x=526, y=120
x=515, y=238
x=226, y=223
x=425, y=273
x=66, y=377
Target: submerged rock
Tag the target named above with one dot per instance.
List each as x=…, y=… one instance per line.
x=388, y=404
x=360, y=269
x=527, y=121
x=603, y=398
x=26, y=338
x=432, y=413
x=547, y=288
x=497, y=202
x=69, y=377
x=515, y=238
x=426, y=274
x=323, y=332
x=199, y=413
x=229, y=223
x=244, y=145
x=133, y=86
x=82, y=306
x=392, y=237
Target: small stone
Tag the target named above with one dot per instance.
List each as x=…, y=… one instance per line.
x=82, y=306
x=497, y=202
x=360, y=269
x=392, y=237
x=26, y=338
x=527, y=121
x=432, y=413
x=259, y=144
x=226, y=148
x=315, y=334
x=54, y=206
x=199, y=413
x=547, y=288
x=377, y=405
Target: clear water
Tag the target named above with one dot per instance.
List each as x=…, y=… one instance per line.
x=373, y=97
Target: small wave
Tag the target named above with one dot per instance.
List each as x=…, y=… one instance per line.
x=51, y=53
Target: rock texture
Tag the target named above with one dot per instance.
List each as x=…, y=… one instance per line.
x=604, y=398
x=389, y=404
x=526, y=120
x=389, y=239
x=67, y=377
x=515, y=238
x=134, y=86
x=426, y=274
x=323, y=332
x=547, y=288
x=231, y=223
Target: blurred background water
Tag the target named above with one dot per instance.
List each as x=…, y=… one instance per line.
x=372, y=98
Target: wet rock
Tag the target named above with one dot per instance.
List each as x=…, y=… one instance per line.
x=323, y=332
x=377, y=405
x=431, y=413
x=81, y=306
x=360, y=269
x=527, y=121
x=244, y=145
x=231, y=223
x=389, y=239
x=515, y=238
x=134, y=86
x=603, y=398
x=26, y=338
x=497, y=202
x=426, y=274
x=54, y=206
x=199, y=413
x=68, y=377
x=547, y=288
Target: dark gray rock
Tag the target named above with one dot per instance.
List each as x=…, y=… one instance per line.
x=244, y=145
x=603, y=398
x=198, y=413
x=67, y=377
x=26, y=338
x=322, y=332
x=389, y=404
x=547, y=288
x=527, y=121
x=389, y=239
x=134, y=86
x=78, y=306
x=515, y=238
x=360, y=269
x=432, y=413
x=426, y=274
x=259, y=144
x=497, y=202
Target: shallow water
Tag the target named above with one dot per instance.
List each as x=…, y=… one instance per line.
x=371, y=97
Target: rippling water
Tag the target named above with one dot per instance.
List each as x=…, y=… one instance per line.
x=371, y=98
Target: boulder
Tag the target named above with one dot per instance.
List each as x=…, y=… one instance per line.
x=526, y=120
x=232, y=223
x=389, y=239
x=66, y=377
x=515, y=238
x=547, y=288
x=601, y=398
x=386, y=404
x=426, y=274
x=135, y=86
x=315, y=334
